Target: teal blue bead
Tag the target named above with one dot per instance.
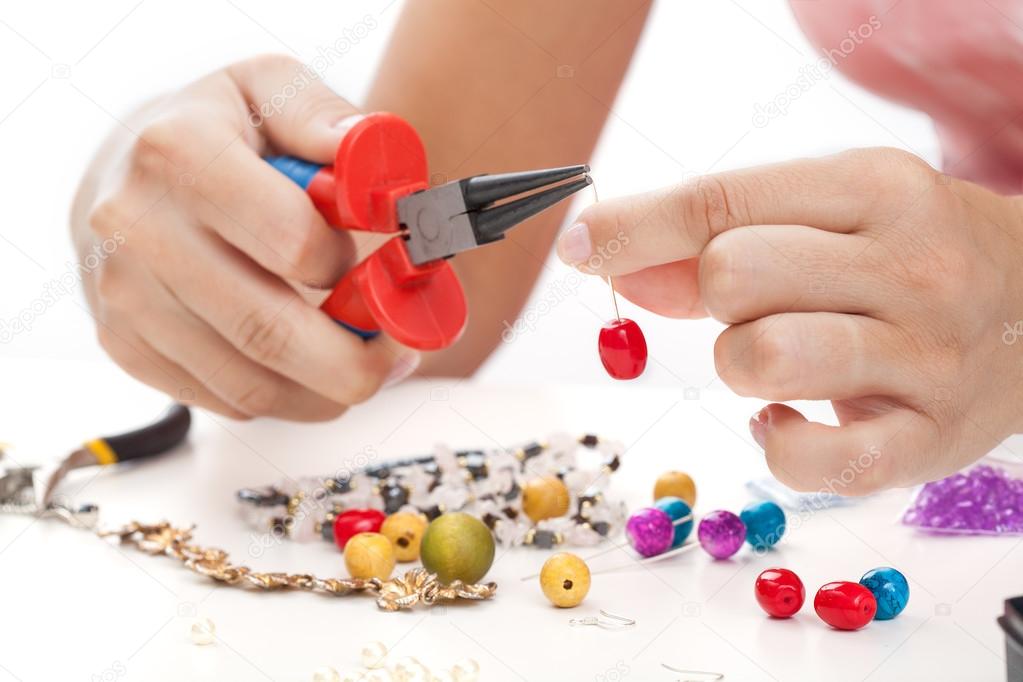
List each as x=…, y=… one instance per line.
x=890, y=589
x=677, y=508
x=765, y=524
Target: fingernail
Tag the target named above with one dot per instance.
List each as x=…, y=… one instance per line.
x=403, y=367
x=758, y=424
x=574, y=246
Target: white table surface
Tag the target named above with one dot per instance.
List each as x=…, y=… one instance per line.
x=75, y=608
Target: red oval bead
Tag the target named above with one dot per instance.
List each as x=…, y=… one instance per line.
x=622, y=348
x=845, y=605
x=779, y=592
x=354, y=521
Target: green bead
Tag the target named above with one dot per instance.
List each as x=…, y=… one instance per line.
x=457, y=546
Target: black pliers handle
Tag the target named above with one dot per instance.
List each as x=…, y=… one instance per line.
x=152, y=439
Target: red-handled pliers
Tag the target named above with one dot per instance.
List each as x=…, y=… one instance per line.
x=379, y=183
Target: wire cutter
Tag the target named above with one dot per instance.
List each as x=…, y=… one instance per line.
x=379, y=183
x=29, y=489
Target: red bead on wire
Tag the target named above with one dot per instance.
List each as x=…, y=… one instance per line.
x=621, y=345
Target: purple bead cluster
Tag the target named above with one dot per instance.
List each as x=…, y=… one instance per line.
x=984, y=500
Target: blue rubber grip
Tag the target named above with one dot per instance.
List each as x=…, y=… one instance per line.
x=361, y=333
x=300, y=172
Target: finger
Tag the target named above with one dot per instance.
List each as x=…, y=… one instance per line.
x=858, y=458
x=671, y=289
x=144, y=363
x=293, y=109
x=751, y=272
x=618, y=236
x=268, y=322
x=240, y=382
x=215, y=174
x=270, y=218
x=811, y=356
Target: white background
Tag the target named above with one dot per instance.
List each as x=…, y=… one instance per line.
x=75, y=609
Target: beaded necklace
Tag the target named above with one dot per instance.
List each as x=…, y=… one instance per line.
x=487, y=483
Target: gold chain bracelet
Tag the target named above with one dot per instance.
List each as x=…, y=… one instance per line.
x=415, y=587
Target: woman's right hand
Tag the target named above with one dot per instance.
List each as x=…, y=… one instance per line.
x=191, y=248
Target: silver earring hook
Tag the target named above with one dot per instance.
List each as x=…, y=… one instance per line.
x=608, y=622
x=701, y=675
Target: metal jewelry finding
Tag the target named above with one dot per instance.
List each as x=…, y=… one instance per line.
x=607, y=621
x=701, y=675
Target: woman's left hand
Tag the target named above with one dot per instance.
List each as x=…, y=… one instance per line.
x=866, y=278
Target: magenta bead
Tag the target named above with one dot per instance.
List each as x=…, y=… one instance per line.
x=721, y=533
x=650, y=531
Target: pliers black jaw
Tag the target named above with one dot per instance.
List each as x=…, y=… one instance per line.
x=464, y=214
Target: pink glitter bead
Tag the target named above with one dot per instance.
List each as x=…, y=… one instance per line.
x=650, y=531
x=983, y=501
x=721, y=533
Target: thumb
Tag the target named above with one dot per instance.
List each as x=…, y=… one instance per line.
x=857, y=458
x=291, y=108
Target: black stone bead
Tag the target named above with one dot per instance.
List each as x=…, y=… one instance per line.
x=341, y=484
x=327, y=529
x=544, y=539
x=511, y=513
x=432, y=512
x=475, y=462
x=266, y=497
x=589, y=441
x=513, y=491
x=613, y=463
x=395, y=496
x=491, y=520
x=602, y=527
x=532, y=450
x=374, y=472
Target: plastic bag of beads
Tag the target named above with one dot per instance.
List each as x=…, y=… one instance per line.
x=983, y=500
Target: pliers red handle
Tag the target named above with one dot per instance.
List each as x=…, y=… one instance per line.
x=379, y=183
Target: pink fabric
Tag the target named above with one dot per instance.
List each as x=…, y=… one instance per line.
x=960, y=61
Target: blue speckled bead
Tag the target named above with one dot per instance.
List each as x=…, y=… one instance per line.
x=765, y=524
x=889, y=588
x=677, y=508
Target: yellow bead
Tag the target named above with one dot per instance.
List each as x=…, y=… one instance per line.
x=675, y=484
x=369, y=555
x=565, y=580
x=545, y=498
x=405, y=531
